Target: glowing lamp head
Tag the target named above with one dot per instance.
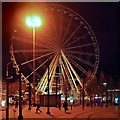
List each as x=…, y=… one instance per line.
x=33, y=21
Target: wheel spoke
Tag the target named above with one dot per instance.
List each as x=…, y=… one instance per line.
x=81, y=53
x=67, y=29
x=80, y=46
x=46, y=73
x=30, y=66
x=71, y=35
x=80, y=60
x=66, y=73
x=60, y=28
x=31, y=51
x=36, y=58
x=77, y=77
x=39, y=67
x=77, y=65
x=70, y=72
x=76, y=39
x=47, y=38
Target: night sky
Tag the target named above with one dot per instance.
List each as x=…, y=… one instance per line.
x=103, y=19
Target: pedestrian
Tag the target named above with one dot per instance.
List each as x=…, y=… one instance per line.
x=65, y=106
x=38, y=107
x=91, y=103
x=59, y=105
x=24, y=102
x=16, y=106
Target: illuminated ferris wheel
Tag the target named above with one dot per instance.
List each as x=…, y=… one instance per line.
x=65, y=40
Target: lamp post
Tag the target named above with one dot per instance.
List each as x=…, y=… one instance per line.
x=56, y=90
x=60, y=96
x=48, y=105
x=20, y=117
x=83, y=96
x=102, y=99
x=7, y=91
x=80, y=96
x=33, y=21
x=29, y=89
x=105, y=84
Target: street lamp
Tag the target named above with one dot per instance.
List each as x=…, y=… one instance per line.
x=29, y=89
x=7, y=90
x=80, y=95
x=105, y=85
x=20, y=117
x=48, y=95
x=83, y=96
x=56, y=91
x=33, y=22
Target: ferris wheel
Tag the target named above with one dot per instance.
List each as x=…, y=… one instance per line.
x=65, y=40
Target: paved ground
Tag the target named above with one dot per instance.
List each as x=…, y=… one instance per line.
x=76, y=112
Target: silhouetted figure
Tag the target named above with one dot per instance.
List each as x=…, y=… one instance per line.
x=16, y=106
x=65, y=106
x=59, y=105
x=38, y=107
x=91, y=103
x=24, y=103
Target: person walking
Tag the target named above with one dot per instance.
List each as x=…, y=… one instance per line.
x=16, y=105
x=24, y=102
x=38, y=107
x=65, y=106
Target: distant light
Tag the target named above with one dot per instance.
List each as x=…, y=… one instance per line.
x=3, y=103
x=117, y=90
x=65, y=12
x=33, y=21
x=50, y=90
x=104, y=99
x=116, y=100
x=114, y=90
x=104, y=83
x=96, y=95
